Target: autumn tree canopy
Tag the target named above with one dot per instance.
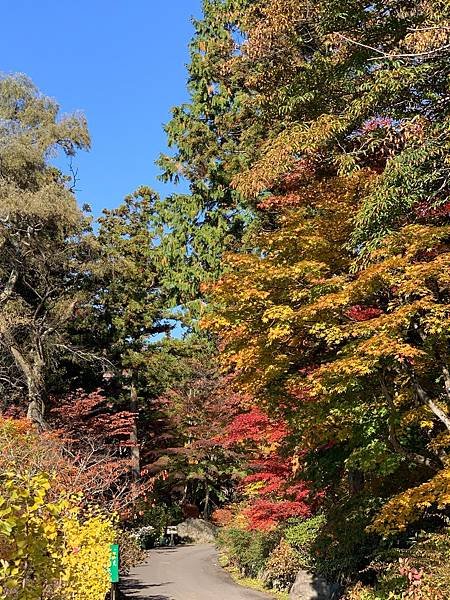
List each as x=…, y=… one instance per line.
x=332, y=310
x=271, y=346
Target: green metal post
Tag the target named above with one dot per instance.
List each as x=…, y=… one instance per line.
x=114, y=572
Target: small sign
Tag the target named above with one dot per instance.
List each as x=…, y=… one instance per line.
x=172, y=530
x=114, y=565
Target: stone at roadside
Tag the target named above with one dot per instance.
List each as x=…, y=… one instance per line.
x=312, y=587
x=197, y=531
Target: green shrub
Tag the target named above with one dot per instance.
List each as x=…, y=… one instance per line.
x=343, y=547
x=282, y=567
x=146, y=537
x=248, y=550
x=302, y=536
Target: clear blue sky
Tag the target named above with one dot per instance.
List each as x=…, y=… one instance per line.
x=121, y=62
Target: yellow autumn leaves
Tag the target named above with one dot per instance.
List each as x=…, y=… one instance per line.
x=50, y=549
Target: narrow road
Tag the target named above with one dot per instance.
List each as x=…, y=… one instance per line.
x=184, y=573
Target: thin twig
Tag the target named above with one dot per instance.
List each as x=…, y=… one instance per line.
x=392, y=56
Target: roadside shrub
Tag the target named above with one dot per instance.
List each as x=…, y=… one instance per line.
x=418, y=572
x=86, y=555
x=343, y=547
x=302, y=536
x=131, y=553
x=145, y=537
x=282, y=567
x=360, y=592
x=30, y=537
x=53, y=546
x=50, y=549
x=248, y=550
x=431, y=556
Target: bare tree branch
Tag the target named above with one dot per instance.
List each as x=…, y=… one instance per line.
x=387, y=55
x=425, y=398
x=9, y=287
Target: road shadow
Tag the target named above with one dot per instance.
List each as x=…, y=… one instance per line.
x=133, y=589
x=128, y=597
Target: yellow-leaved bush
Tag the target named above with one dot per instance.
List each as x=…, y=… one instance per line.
x=87, y=555
x=30, y=539
x=50, y=549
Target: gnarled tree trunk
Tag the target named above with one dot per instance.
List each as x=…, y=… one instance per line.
x=33, y=374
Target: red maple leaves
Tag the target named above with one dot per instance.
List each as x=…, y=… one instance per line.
x=363, y=313
x=274, y=492
x=255, y=426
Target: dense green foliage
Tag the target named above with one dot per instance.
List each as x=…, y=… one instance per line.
x=248, y=551
x=201, y=225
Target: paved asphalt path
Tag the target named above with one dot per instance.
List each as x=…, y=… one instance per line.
x=184, y=573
